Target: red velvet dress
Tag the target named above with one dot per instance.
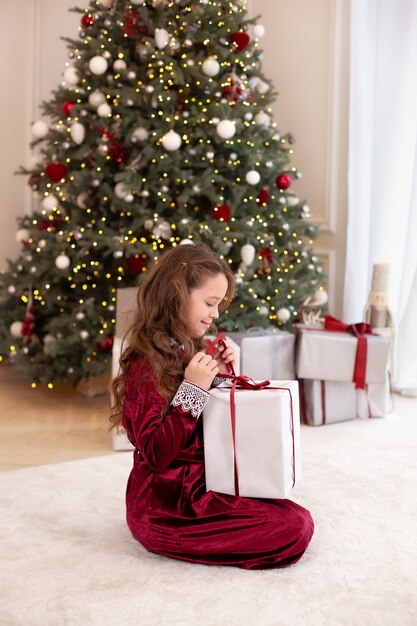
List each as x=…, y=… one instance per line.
x=168, y=509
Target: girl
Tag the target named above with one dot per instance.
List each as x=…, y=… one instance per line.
x=159, y=397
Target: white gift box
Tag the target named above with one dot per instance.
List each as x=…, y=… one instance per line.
x=269, y=356
x=328, y=355
x=267, y=440
x=326, y=402
x=125, y=307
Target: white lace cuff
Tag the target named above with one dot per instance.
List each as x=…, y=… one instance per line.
x=191, y=397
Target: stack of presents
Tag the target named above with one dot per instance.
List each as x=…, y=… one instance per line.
x=319, y=375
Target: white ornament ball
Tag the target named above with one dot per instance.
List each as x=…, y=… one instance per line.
x=22, y=235
x=320, y=297
x=42, y=243
x=226, y=129
x=186, y=242
x=148, y=224
x=118, y=254
x=253, y=177
x=77, y=133
x=262, y=119
x=131, y=75
x=283, y=315
x=16, y=329
x=263, y=310
x=248, y=116
x=39, y=129
x=62, y=262
x=96, y=98
x=79, y=316
x=84, y=334
x=121, y=191
x=162, y=230
x=71, y=76
x=211, y=66
x=262, y=87
x=140, y=134
x=259, y=30
x=50, y=202
x=161, y=38
x=11, y=289
x=129, y=197
x=247, y=253
x=119, y=65
x=98, y=65
x=104, y=110
x=171, y=141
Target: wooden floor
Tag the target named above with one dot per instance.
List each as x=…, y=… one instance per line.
x=41, y=426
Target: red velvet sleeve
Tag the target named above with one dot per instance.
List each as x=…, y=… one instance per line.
x=159, y=440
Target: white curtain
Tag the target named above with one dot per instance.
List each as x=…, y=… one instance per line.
x=382, y=218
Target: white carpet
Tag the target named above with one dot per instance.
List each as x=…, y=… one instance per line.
x=67, y=557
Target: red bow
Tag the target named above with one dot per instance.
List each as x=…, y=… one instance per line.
x=359, y=330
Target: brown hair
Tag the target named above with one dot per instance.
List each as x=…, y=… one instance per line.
x=160, y=324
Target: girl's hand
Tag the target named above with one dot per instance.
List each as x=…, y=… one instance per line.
x=224, y=356
x=201, y=370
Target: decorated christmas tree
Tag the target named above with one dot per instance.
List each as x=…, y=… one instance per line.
x=160, y=134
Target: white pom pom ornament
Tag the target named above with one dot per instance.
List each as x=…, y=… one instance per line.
x=226, y=129
x=16, y=329
x=62, y=262
x=210, y=66
x=39, y=129
x=98, y=65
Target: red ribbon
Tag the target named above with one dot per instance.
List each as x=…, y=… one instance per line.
x=245, y=382
x=212, y=344
x=359, y=330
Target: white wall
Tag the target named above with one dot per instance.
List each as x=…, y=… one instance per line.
x=305, y=54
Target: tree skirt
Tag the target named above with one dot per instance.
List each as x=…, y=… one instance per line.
x=68, y=558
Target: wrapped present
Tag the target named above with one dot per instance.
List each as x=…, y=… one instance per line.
x=324, y=354
x=252, y=439
x=212, y=342
x=268, y=355
x=324, y=402
x=125, y=307
x=342, y=371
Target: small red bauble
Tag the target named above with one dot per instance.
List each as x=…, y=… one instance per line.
x=240, y=40
x=86, y=21
x=263, y=196
x=56, y=171
x=283, y=181
x=136, y=264
x=66, y=107
x=105, y=345
x=221, y=212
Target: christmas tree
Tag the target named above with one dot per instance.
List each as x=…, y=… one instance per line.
x=160, y=134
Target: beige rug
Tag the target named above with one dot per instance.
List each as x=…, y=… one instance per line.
x=67, y=557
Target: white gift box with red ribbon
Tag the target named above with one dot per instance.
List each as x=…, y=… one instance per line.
x=269, y=355
x=327, y=365
x=258, y=456
x=323, y=402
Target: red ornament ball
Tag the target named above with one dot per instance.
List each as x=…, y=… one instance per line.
x=136, y=264
x=105, y=345
x=240, y=40
x=284, y=181
x=67, y=107
x=221, y=212
x=86, y=21
x=56, y=171
x=263, y=196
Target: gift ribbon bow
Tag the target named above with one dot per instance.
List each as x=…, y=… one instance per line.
x=245, y=382
x=359, y=330
x=212, y=344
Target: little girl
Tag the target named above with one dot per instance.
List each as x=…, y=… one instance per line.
x=159, y=395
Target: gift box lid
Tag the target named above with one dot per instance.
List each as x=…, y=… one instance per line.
x=328, y=355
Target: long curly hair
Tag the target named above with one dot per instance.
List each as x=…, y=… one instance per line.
x=160, y=332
